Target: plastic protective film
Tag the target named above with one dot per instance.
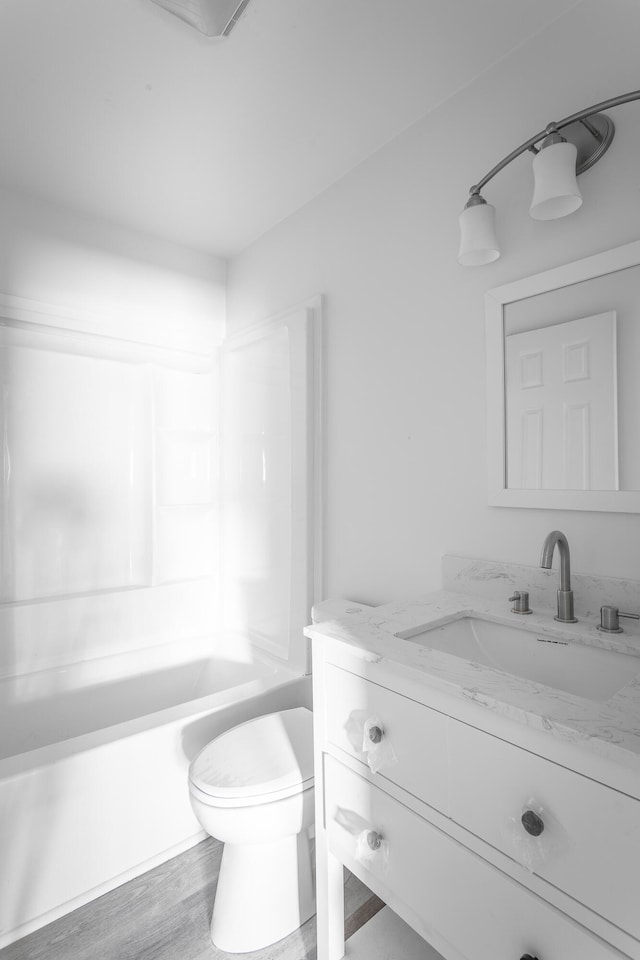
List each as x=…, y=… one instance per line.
x=372, y=851
x=376, y=746
x=534, y=836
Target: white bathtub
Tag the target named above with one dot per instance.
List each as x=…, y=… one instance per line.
x=93, y=769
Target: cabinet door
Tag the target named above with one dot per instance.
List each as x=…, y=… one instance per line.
x=464, y=906
x=411, y=751
x=590, y=840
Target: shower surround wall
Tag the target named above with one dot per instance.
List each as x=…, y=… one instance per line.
x=271, y=482
x=106, y=491
x=106, y=411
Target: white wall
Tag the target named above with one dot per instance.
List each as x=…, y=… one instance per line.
x=108, y=539
x=122, y=283
x=406, y=476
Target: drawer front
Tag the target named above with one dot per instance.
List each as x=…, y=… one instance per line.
x=475, y=911
x=590, y=840
x=412, y=751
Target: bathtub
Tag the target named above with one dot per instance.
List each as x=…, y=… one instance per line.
x=93, y=768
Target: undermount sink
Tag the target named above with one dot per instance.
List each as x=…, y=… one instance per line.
x=575, y=668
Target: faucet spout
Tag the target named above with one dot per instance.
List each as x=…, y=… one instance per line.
x=565, y=593
x=546, y=557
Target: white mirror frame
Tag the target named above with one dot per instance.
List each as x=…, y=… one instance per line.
x=496, y=301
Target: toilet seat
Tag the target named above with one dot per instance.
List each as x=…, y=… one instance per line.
x=265, y=759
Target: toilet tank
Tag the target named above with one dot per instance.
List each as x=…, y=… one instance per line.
x=337, y=610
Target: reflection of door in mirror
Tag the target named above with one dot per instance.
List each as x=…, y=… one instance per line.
x=561, y=406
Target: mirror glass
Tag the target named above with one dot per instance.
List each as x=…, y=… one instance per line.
x=572, y=390
x=563, y=388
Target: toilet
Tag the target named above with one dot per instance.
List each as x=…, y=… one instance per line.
x=252, y=788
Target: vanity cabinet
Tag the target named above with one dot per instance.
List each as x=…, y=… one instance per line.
x=433, y=824
x=590, y=843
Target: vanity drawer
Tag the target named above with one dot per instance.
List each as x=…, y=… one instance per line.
x=412, y=751
x=590, y=842
x=471, y=909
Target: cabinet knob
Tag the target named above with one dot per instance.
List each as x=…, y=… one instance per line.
x=527, y=956
x=533, y=824
x=374, y=839
x=375, y=734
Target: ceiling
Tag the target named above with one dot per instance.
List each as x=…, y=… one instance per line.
x=118, y=109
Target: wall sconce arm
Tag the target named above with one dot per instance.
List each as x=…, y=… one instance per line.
x=581, y=115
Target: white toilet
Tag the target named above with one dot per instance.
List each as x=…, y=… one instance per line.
x=252, y=788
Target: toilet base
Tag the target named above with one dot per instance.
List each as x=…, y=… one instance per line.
x=265, y=891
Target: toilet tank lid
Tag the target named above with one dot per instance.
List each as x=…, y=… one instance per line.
x=337, y=610
x=269, y=754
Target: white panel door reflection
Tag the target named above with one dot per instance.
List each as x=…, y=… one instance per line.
x=561, y=403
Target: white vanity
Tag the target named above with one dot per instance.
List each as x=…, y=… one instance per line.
x=497, y=816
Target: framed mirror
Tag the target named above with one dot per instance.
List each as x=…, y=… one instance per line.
x=563, y=386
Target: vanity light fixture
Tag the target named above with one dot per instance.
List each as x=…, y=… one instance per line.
x=562, y=151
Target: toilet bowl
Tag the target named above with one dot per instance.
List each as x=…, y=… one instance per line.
x=252, y=788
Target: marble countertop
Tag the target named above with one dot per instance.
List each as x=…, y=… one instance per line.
x=610, y=728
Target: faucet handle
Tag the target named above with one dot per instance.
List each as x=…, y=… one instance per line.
x=520, y=599
x=609, y=622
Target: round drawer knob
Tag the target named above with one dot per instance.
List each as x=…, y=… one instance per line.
x=373, y=840
x=527, y=956
x=533, y=824
x=375, y=734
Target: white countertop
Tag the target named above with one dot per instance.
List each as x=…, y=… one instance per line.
x=610, y=729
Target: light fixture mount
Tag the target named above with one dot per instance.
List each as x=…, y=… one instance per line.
x=592, y=136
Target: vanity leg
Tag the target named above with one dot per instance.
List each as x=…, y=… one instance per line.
x=330, y=907
x=329, y=870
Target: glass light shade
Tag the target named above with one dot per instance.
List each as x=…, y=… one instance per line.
x=556, y=193
x=478, y=241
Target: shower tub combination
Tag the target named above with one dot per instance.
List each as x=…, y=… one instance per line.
x=95, y=749
x=93, y=770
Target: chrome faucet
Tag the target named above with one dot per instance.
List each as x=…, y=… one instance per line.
x=565, y=593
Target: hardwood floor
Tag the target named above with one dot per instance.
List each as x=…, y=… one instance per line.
x=165, y=915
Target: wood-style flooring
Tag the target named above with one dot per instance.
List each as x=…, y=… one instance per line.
x=165, y=915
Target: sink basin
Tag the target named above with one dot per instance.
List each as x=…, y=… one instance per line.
x=575, y=668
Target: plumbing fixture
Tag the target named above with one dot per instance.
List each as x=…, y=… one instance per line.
x=520, y=600
x=565, y=593
x=609, y=622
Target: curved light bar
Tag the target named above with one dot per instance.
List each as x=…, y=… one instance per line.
x=557, y=162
